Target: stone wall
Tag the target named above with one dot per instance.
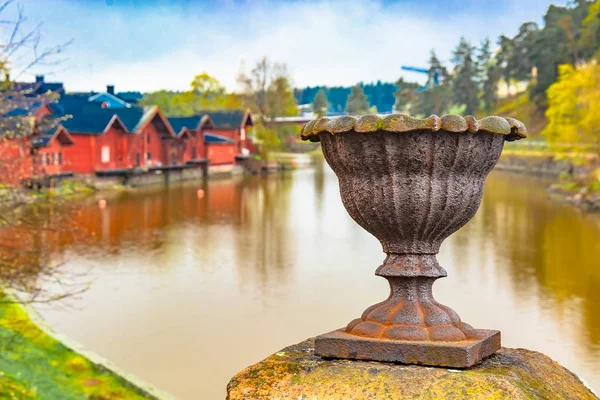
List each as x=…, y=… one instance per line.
x=224, y=171
x=165, y=177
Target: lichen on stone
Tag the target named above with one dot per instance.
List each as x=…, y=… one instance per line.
x=508, y=374
x=399, y=123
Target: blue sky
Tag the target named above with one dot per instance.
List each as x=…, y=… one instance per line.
x=152, y=44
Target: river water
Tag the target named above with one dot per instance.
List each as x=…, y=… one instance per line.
x=189, y=288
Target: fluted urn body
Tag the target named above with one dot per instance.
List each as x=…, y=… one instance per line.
x=411, y=183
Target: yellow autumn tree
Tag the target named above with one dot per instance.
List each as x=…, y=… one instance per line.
x=573, y=104
x=205, y=93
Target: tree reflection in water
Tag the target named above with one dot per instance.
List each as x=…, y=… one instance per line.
x=215, y=282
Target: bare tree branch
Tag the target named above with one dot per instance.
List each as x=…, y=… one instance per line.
x=30, y=232
x=6, y=4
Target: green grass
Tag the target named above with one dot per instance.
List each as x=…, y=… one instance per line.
x=66, y=189
x=33, y=365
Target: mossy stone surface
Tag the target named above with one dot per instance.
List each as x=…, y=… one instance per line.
x=296, y=373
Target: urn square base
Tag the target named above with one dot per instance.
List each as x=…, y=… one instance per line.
x=463, y=354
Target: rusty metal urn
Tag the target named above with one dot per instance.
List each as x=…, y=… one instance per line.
x=411, y=183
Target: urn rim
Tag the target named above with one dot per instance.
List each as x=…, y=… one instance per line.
x=511, y=128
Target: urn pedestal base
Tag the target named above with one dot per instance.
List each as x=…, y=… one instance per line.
x=460, y=354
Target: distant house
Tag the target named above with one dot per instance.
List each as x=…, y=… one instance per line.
x=100, y=142
x=190, y=131
x=219, y=142
x=17, y=162
x=160, y=142
x=118, y=139
x=233, y=124
x=132, y=98
x=224, y=132
x=108, y=99
x=48, y=153
x=40, y=86
x=15, y=159
x=104, y=134
x=220, y=150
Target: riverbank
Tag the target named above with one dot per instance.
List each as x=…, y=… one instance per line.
x=77, y=187
x=34, y=364
x=582, y=192
x=538, y=159
x=577, y=174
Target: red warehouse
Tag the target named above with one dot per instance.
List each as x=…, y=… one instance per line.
x=189, y=131
x=48, y=153
x=233, y=124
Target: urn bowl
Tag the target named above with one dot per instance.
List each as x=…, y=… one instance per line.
x=412, y=182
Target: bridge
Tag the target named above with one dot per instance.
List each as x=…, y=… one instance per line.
x=304, y=119
x=296, y=120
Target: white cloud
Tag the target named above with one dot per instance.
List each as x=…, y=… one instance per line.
x=330, y=42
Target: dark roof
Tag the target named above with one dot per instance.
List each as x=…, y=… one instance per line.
x=90, y=117
x=19, y=112
x=72, y=104
x=39, y=87
x=89, y=121
x=225, y=119
x=53, y=86
x=41, y=141
x=130, y=117
x=178, y=123
x=214, y=138
x=110, y=99
x=94, y=121
x=130, y=96
x=44, y=139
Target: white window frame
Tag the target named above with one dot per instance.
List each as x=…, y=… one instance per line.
x=105, y=154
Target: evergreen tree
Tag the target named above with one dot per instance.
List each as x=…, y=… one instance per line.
x=405, y=95
x=357, y=101
x=488, y=75
x=589, y=39
x=557, y=43
x=504, y=60
x=464, y=85
x=484, y=57
x=436, y=71
x=523, y=44
x=319, y=105
x=435, y=99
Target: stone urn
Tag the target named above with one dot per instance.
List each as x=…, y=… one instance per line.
x=411, y=183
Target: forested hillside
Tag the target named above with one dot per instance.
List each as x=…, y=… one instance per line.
x=556, y=62
x=379, y=95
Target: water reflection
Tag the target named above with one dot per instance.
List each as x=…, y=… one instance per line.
x=558, y=247
x=209, y=283
x=253, y=211
x=548, y=256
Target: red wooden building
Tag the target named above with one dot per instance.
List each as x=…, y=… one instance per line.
x=15, y=160
x=190, y=132
x=219, y=136
x=220, y=150
x=156, y=138
x=20, y=157
x=235, y=125
x=112, y=140
x=48, y=154
x=98, y=140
